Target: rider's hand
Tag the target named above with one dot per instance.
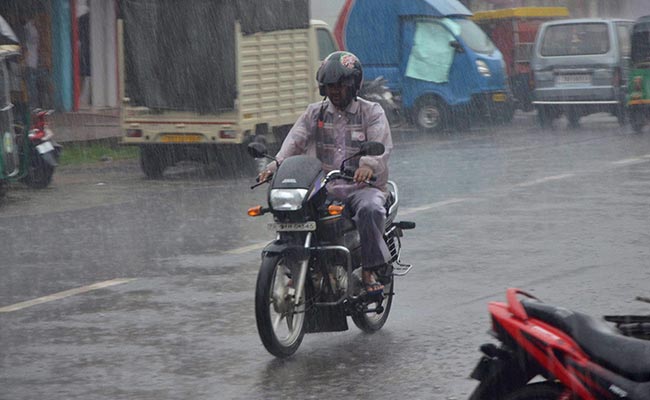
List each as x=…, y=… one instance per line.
x=362, y=174
x=264, y=175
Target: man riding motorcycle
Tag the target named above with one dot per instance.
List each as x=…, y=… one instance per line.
x=332, y=131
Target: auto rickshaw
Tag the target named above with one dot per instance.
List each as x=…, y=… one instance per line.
x=9, y=151
x=26, y=155
x=639, y=83
x=513, y=30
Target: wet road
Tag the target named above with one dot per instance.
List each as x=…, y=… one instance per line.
x=561, y=213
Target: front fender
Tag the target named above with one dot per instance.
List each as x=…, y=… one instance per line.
x=281, y=248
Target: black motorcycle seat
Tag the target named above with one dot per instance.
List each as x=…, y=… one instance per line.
x=626, y=356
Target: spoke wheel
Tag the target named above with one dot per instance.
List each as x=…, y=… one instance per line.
x=372, y=322
x=280, y=322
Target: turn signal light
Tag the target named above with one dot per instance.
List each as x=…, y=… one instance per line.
x=335, y=210
x=255, y=211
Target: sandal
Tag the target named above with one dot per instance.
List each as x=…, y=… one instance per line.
x=374, y=288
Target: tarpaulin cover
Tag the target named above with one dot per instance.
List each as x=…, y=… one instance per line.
x=181, y=54
x=431, y=56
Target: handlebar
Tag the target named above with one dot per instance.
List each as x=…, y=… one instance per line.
x=345, y=175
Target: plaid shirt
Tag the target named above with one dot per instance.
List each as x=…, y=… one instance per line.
x=340, y=136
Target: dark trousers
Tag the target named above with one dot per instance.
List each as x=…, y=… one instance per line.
x=366, y=206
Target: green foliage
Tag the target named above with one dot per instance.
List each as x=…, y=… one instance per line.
x=94, y=152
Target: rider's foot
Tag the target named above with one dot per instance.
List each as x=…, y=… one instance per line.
x=372, y=286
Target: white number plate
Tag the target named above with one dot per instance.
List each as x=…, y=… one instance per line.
x=573, y=79
x=293, y=226
x=45, y=147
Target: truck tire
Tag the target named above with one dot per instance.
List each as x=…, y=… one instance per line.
x=431, y=115
x=152, y=162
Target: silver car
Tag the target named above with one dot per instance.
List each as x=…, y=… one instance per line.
x=580, y=67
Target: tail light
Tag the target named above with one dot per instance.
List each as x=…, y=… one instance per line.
x=134, y=133
x=228, y=134
x=36, y=134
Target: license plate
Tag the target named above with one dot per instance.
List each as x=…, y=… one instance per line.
x=181, y=138
x=293, y=226
x=45, y=147
x=573, y=79
x=499, y=97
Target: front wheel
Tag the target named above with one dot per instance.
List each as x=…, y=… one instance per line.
x=538, y=391
x=280, y=322
x=431, y=115
x=372, y=322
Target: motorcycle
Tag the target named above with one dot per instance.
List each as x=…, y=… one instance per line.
x=310, y=277
x=552, y=353
x=41, y=150
x=637, y=326
x=377, y=91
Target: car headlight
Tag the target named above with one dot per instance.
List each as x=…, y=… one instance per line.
x=483, y=68
x=287, y=199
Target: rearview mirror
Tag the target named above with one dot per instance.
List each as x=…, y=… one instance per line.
x=371, y=149
x=457, y=46
x=257, y=150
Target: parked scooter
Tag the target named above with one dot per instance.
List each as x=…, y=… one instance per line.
x=43, y=151
x=552, y=353
x=310, y=277
x=377, y=91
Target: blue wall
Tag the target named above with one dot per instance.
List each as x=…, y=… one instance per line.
x=61, y=55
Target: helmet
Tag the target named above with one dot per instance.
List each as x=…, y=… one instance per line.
x=337, y=67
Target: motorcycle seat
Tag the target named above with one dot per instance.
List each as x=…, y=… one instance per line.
x=626, y=356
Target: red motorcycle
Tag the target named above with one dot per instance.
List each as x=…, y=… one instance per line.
x=552, y=353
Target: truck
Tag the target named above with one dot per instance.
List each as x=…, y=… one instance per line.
x=513, y=30
x=203, y=79
x=442, y=66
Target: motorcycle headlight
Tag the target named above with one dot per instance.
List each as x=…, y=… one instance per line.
x=483, y=68
x=287, y=199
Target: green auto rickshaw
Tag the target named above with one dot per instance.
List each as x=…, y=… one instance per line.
x=9, y=151
x=639, y=83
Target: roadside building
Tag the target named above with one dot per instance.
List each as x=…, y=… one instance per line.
x=577, y=8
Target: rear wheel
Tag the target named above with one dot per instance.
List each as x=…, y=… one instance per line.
x=574, y=118
x=637, y=120
x=431, y=115
x=544, y=117
x=537, y=391
x=280, y=322
x=152, y=162
x=372, y=322
x=39, y=173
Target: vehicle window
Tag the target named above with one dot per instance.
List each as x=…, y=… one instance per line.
x=641, y=46
x=623, y=31
x=475, y=37
x=575, y=39
x=326, y=45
